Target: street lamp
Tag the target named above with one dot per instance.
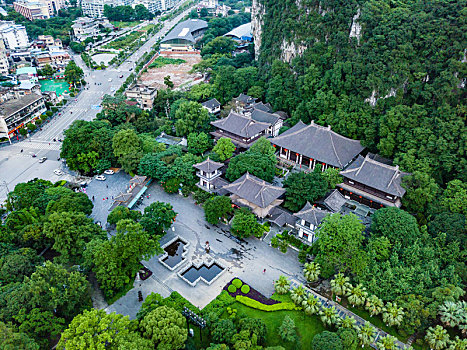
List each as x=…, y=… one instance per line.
x=195, y=319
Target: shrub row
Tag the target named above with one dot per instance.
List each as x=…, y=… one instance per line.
x=260, y=306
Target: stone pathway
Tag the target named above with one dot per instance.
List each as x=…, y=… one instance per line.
x=343, y=313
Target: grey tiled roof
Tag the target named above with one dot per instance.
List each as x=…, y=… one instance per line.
x=280, y=217
x=320, y=143
x=334, y=201
x=311, y=214
x=240, y=125
x=208, y=166
x=377, y=175
x=265, y=107
x=264, y=117
x=212, y=103
x=245, y=98
x=184, y=30
x=255, y=190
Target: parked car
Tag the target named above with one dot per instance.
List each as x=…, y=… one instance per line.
x=58, y=172
x=110, y=79
x=100, y=177
x=121, y=76
x=109, y=172
x=42, y=160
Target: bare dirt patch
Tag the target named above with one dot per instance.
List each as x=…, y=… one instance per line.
x=179, y=73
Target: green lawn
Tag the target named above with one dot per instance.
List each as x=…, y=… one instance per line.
x=125, y=24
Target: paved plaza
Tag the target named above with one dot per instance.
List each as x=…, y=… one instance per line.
x=245, y=260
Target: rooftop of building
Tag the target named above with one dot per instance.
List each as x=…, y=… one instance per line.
x=241, y=32
x=208, y=166
x=212, y=103
x=184, y=30
x=377, y=175
x=319, y=143
x=240, y=125
x=242, y=98
x=12, y=106
x=255, y=190
x=312, y=214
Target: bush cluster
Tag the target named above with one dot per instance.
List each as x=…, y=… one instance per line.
x=263, y=307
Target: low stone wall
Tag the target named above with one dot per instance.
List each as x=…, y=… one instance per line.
x=197, y=264
x=185, y=252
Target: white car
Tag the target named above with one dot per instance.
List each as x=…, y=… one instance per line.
x=109, y=172
x=100, y=177
x=110, y=79
x=58, y=172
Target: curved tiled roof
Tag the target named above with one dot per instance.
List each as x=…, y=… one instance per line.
x=383, y=177
x=208, y=166
x=311, y=214
x=255, y=190
x=320, y=143
x=240, y=125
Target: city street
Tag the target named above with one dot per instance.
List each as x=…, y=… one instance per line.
x=17, y=166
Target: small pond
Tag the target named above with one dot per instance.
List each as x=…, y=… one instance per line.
x=174, y=253
x=205, y=272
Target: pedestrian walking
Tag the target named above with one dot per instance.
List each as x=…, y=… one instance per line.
x=93, y=198
x=264, y=271
x=107, y=186
x=107, y=198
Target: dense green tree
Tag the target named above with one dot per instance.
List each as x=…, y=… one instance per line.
x=304, y=187
x=198, y=143
x=220, y=45
x=127, y=147
x=287, y=330
x=166, y=327
x=25, y=194
x=244, y=224
x=70, y=201
x=70, y=233
x=151, y=165
x=326, y=341
x=340, y=285
x=157, y=218
x=17, y=264
x=190, y=117
x=10, y=339
x=217, y=207
x=183, y=170
x=348, y=337
x=223, y=330
x=395, y=224
x=95, y=329
x=422, y=190
x=366, y=334
x=149, y=144
x=224, y=148
x=452, y=224
x=40, y=325
x=454, y=197
x=437, y=337
x=392, y=314
x=117, y=260
x=122, y=213
x=340, y=243
x=73, y=73
x=256, y=326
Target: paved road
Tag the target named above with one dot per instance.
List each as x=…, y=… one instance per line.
x=17, y=166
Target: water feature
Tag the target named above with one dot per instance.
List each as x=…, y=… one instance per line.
x=174, y=253
x=207, y=273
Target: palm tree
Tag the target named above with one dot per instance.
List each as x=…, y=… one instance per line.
x=348, y=322
x=437, y=338
x=374, y=305
x=458, y=344
x=357, y=295
x=386, y=343
x=328, y=315
x=392, y=315
x=311, y=271
x=298, y=294
x=311, y=305
x=366, y=334
x=340, y=285
x=282, y=285
x=450, y=313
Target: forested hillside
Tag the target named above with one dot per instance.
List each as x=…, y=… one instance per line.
x=391, y=73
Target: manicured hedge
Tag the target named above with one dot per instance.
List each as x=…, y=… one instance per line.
x=259, y=306
x=237, y=283
x=232, y=288
x=245, y=289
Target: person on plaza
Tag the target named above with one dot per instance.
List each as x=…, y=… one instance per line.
x=264, y=271
x=93, y=198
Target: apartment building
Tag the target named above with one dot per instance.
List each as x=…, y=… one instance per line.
x=14, y=35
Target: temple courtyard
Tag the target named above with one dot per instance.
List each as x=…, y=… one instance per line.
x=243, y=259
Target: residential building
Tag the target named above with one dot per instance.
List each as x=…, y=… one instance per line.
x=274, y=120
x=212, y=106
x=153, y=6
x=184, y=36
x=373, y=183
x=305, y=146
x=209, y=175
x=222, y=10
x=56, y=59
x=15, y=114
x=52, y=97
x=85, y=27
x=27, y=87
x=308, y=220
x=4, y=63
x=14, y=35
x=49, y=41
x=242, y=34
x=258, y=195
x=32, y=10
x=242, y=130
x=95, y=8
x=143, y=94
x=29, y=72
x=3, y=12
